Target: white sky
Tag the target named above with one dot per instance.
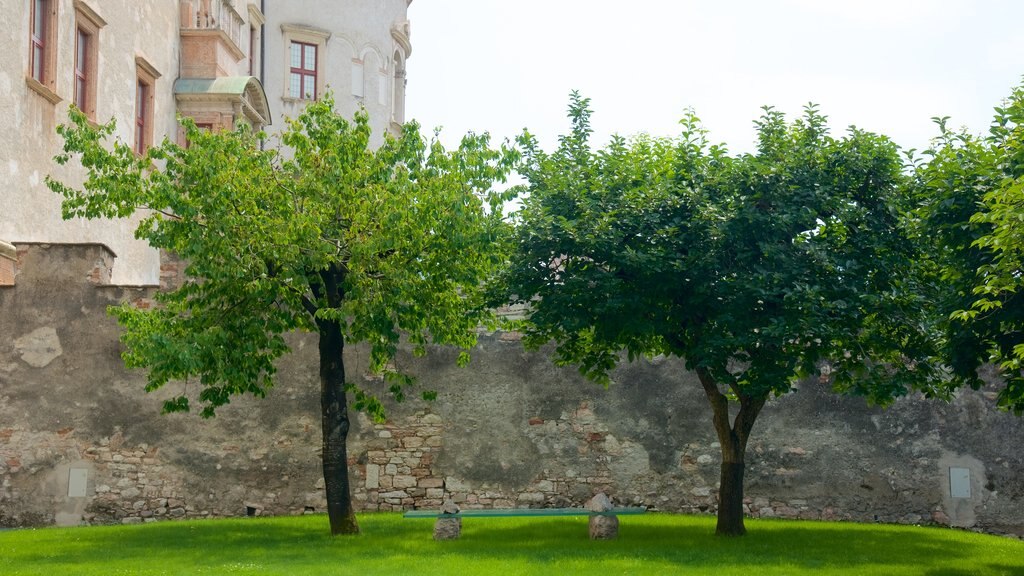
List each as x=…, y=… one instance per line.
x=884, y=65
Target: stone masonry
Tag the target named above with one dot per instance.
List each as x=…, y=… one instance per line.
x=81, y=442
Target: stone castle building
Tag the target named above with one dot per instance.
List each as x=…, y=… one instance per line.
x=144, y=63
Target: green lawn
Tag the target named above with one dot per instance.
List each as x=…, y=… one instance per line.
x=389, y=544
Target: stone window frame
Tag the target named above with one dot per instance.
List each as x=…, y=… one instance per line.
x=145, y=100
x=86, y=74
x=256, y=23
x=309, y=35
x=42, y=49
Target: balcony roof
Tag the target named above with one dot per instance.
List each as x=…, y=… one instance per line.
x=246, y=89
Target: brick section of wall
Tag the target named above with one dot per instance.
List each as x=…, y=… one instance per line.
x=8, y=263
x=102, y=270
x=172, y=270
x=399, y=473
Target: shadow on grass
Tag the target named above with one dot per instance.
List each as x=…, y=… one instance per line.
x=403, y=544
x=695, y=545
x=1000, y=569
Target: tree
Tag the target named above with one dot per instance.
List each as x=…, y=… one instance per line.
x=757, y=269
x=356, y=245
x=971, y=218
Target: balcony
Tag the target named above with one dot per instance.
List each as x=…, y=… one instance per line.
x=214, y=39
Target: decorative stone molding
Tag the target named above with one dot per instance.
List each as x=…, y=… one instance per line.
x=400, y=33
x=229, y=99
x=256, y=17
x=87, y=12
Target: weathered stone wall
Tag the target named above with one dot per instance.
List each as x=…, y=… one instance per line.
x=81, y=442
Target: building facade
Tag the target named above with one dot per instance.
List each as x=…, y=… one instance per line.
x=311, y=50
x=145, y=63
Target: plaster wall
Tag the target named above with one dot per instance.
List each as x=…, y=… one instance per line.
x=81, y=442
x=31, y=213
x=359, y=35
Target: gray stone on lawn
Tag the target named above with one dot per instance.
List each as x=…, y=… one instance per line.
x=602, y=527
x=448, y=528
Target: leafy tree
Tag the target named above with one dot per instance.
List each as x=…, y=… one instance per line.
x=971, y=191
x=757, y=269
x=354, y=244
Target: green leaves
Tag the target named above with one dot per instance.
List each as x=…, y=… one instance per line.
x=757, y=268
x=972, y=219
x=387, y=243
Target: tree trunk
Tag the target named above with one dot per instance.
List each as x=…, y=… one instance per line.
x=335, y=425
x=733, y=439
x=730, y=499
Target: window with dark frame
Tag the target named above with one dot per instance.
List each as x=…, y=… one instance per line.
x=40, y=26
x=302, y=82
x=85, y=58
x=145, y=89
x=141, y=95
x=83, y=43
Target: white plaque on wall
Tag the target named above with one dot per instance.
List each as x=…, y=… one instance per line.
x=960, y=482
x=78, y=478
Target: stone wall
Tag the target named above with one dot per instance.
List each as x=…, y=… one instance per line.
x=81, y=442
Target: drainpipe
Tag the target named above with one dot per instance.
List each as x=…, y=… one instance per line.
x=263, y=45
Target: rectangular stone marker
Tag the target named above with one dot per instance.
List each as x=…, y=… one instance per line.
x=960, y=482
x=77, y=480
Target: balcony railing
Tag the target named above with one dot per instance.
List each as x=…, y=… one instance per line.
x=213, y=15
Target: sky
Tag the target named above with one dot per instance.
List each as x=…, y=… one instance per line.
x=886, y=66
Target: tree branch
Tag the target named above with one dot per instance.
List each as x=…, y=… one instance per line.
x=719, y=407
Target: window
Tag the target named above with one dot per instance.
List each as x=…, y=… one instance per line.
x=82, y=45
x=42, y=61
x=357, y=78
x=256, y=21
x=302, y=81
x=145, y=85
x=304, y=61
x=87, y=28
x=40, y=22
x=143, y=92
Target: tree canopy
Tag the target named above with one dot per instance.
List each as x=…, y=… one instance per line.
x=327, y=236
x=756, y=269
x=971, y=192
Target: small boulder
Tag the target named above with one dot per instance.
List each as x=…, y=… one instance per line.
x=602, y=527
x=448, y=528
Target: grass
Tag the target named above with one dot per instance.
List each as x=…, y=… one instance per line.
x=389, y=544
